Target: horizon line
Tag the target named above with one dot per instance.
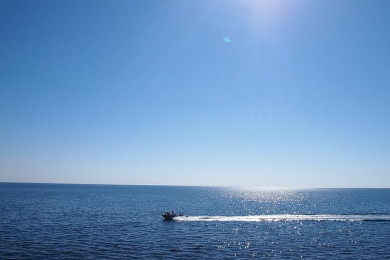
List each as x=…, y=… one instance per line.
x=178, y=185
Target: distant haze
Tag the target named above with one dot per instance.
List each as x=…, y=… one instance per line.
x=202, y=92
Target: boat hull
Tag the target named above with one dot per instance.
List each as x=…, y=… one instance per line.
x=168, y=217
x=171, y=216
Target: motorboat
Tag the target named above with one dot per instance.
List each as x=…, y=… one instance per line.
x=171, y=215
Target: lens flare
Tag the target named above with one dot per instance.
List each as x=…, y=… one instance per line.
x=227, y=39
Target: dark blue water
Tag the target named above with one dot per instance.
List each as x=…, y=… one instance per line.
x=42, y=221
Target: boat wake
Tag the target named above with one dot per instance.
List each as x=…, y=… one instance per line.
x=288, y=217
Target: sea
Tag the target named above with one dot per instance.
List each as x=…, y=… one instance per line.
x=60, y=221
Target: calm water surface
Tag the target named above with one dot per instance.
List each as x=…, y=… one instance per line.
x=90, y=222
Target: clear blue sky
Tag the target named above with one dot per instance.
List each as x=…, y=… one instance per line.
x=253, y=93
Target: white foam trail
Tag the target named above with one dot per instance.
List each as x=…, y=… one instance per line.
x=287, y=217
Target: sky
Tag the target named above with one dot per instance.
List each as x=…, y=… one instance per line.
x=265, y=93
